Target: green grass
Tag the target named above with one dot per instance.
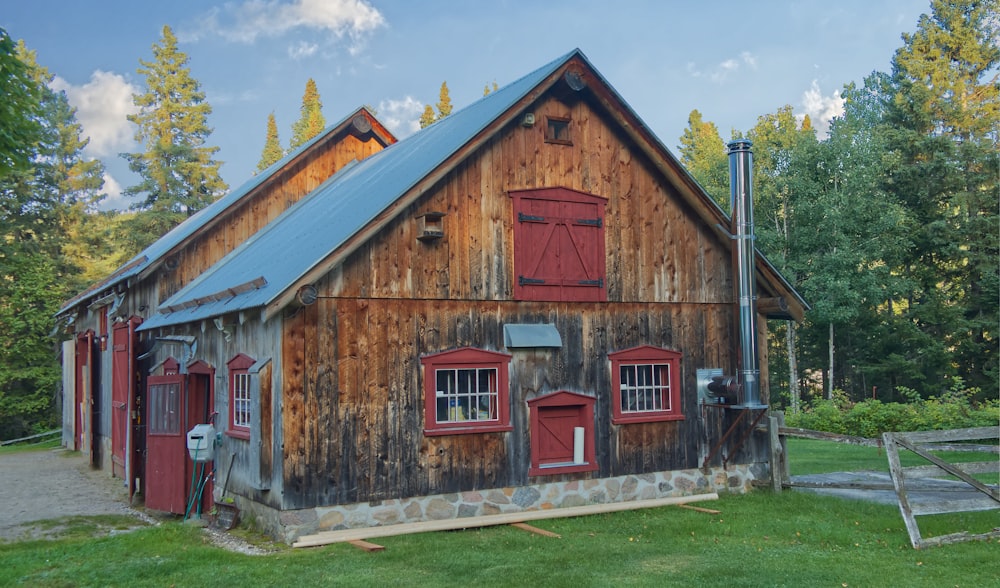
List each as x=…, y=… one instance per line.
x=759, y=539
x=810, y=456
x=50, y=443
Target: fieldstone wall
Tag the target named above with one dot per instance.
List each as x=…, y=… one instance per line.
x=290, y=525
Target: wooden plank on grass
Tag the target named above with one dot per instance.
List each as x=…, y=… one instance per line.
x=536, y=530
x=366, y=545
x=699, y=509
x=328, y=537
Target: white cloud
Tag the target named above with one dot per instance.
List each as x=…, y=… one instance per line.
x=821, y=109
x=101, y=107
x=402, y=117
x=302, y=49
x=245, y=22
x=114, y=200
x=724, y=69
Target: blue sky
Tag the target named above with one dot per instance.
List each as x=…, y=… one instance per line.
x=733, y=61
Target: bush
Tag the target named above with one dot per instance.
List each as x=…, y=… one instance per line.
x=954, y=409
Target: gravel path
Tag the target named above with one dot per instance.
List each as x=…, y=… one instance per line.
x=42, y=485
x=39, y=485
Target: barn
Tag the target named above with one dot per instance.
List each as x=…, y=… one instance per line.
x=528, y=304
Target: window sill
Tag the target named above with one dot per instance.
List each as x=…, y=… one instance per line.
x=238, y=434
x=561, y=468
x=467, y=430
x=646, y=418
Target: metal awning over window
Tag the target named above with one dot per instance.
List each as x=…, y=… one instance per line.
x=543, y=335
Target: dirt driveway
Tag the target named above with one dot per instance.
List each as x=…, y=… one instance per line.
x=48, y=484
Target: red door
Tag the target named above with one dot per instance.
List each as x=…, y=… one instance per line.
x=166, y=444
x=123, y=383
x=200, y=410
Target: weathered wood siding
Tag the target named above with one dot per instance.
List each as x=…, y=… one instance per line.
x=352, y=394
x=354, y=427
x=287, y=187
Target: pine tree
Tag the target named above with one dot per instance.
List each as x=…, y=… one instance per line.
x=39, y=205
x=179, y=174
x=311, y=121
x=272, y=146
x=444, y=102
x=19, y=128
x=943, y=124
x=704, y=155
x=427, y=118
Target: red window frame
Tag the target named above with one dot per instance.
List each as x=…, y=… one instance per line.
x=656, y=398
x=239, y=371
x=560, y=252
x=455, y=401
x=550, y=415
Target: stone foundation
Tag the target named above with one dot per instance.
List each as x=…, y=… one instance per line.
x=291, y=524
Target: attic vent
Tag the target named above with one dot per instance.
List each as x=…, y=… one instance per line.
x=171, y=263
x=574, y=80
x=361, y=124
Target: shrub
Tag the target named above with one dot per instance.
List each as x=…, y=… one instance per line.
x=954, y=409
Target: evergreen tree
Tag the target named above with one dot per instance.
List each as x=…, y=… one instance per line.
x=38, y=206
x=942, y=125
x=703, y=154
x=427, y=118
x=444, y=102
x=19, y=127
x=311, y=121
x=179, y=174
x=272, y=146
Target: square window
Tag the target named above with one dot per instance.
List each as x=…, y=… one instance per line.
x=646, y=385
x=466, y=391
x=557, y=130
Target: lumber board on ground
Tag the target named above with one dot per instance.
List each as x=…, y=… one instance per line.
x=344, y=535
x=536, y=530
x=366, y=545
x=699, y=509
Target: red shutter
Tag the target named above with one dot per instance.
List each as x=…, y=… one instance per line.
x=559, y=246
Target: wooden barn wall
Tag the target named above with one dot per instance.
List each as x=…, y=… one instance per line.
x=254, y=467
x=353, y=404
x=352, y=400
x=251, y=216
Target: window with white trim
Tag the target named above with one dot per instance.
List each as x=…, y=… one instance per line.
x=645, y=385
x=240, y=404
x=465, y=390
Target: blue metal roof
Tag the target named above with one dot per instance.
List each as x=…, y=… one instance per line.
x=316, y=226
x=194, y=223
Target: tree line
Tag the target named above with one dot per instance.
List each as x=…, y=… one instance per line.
x=888, y=225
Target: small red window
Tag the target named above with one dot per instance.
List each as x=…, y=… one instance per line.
x=645, y=385
x=240, y=402
x=562, y=434
x=465, y=391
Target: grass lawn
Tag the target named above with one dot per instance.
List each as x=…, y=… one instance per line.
x=759, y=539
